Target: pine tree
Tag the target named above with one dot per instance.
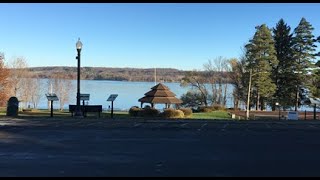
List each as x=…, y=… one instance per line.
x=315, y=89
x=283, y=74
x=304, y=48
x=261, y=59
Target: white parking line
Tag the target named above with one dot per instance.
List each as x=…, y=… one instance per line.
x=203, y=125
x=268, y=126
x=226, y=125
x=137, y=124
x=183, y=125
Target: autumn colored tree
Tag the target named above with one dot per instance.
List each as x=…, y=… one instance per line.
x=4, y=81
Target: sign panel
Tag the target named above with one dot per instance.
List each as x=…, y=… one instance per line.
x=52, y=97
x=293, y=115
x=112, y=97
x=84, y=97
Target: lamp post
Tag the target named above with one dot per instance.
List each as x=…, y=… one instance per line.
x=278, y=105
x=78, y=112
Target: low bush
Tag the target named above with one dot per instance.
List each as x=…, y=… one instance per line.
x=205, y=109
x=149, y=112
x=172, y=113
x=134, y=111
x=186, y=111
x=178, y=114
x=218, y=107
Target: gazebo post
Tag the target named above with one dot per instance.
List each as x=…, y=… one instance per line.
x=152, y=105
x=141, y=104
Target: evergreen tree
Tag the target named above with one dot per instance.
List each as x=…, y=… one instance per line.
x=304, y=48
x=315, y=89
x=261, y=59
x=283, y=74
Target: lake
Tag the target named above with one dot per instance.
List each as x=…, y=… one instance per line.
x=128, y=93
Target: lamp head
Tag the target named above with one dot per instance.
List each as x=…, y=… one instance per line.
x=79, y=45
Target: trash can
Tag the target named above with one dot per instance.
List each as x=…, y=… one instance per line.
x=13, y=106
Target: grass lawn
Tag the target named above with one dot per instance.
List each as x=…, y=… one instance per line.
x=211, y=115
x=44, y=113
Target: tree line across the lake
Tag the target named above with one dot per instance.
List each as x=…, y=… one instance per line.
x=276, y=64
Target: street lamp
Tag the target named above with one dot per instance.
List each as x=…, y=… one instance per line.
x=278, y=105
x=78, y=112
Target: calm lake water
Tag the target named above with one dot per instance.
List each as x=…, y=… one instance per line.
x=128, y=93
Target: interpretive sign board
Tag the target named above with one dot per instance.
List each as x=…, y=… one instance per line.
x=112, y=97
x=293, y=115
x=84, y=97
x=52, y=97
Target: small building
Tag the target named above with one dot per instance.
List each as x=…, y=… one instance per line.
x=160, y=94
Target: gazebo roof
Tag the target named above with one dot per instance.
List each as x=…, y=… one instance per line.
x=160, y=94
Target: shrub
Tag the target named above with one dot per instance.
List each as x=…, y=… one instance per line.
x=172, y=113
x=186, y=111
x=218, y=107
x=205, y=109
x=178, y=114
x=134, y=111
x=149, y=112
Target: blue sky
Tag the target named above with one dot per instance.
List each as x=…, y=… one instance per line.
x=139, y=35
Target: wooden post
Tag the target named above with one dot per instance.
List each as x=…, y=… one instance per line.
x=51, y=115
x=305, y=114
x=111, y=109
x=314, y=112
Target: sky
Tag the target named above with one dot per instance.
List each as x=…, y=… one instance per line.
x=139, y=35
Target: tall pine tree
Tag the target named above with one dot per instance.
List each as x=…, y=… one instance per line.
x=304, y=48
x=283, y=73
x=261, y=59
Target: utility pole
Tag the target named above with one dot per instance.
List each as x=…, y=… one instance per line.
x=155, y=76
x=248, y=98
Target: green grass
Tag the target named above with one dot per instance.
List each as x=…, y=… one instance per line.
x=211, y=115
x=44, y=113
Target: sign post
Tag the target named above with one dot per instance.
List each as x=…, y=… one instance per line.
x=111, y=98
x=84, y=97
x=52, y=97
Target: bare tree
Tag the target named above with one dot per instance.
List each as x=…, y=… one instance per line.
x=25, y=88
x=35, y=91
x=62, y=87
x=18, y=76
x=217, y=72
x=196, y=80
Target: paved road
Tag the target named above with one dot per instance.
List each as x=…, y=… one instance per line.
x=92, y=147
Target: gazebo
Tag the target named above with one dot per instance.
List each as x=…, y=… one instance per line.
x=160, y=94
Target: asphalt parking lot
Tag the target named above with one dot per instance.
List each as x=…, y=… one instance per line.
x=99, y=147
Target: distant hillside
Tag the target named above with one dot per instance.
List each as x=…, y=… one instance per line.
x=105, y=73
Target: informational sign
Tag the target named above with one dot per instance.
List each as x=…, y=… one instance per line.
x=84, y=97
x=112, y=97
x=293, y=115
x=52, y=97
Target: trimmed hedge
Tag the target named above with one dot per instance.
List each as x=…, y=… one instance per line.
x=149, y=112
x=215, y=107
x=172, y=113
x=186, y=111
x=134, y=111
x=205, y=109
